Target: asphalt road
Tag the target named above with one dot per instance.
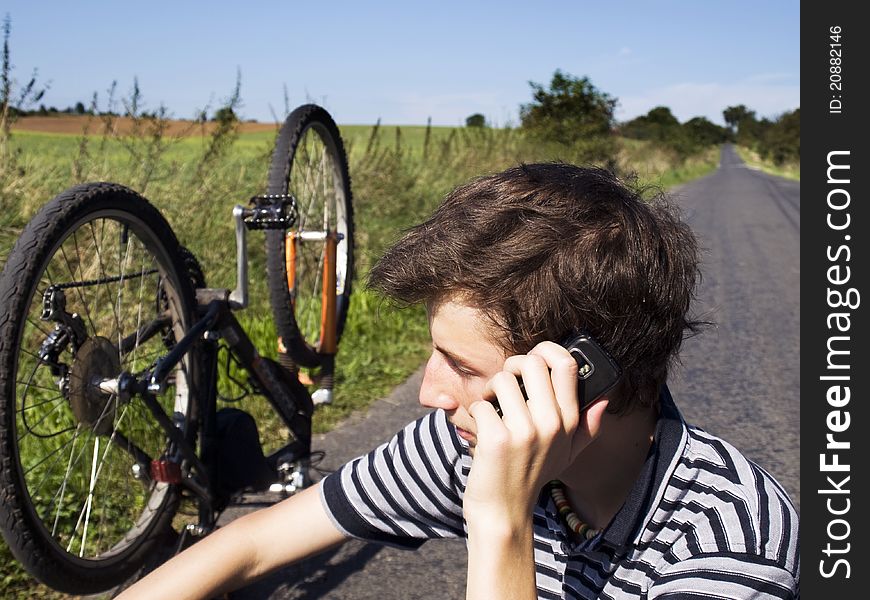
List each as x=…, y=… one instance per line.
x=738, y=380
x=741, y=379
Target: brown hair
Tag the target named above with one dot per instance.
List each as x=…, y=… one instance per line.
x=547, y=249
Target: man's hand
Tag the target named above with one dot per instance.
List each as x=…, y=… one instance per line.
x=534, y=442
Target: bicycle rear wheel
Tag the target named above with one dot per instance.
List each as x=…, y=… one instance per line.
x=95, y=285
x=309, y=163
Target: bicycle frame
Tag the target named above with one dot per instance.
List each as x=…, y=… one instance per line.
x=288, y=397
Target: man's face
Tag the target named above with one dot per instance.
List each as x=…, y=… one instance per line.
x=464, y=357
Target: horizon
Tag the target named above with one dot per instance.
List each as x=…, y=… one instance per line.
x=404, y=64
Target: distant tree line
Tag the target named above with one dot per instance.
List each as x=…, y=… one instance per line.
x=79, y=108
x=44, y=111
x=571, y=111
x=661, y=126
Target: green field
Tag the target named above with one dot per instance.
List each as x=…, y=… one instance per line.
x=399, y=176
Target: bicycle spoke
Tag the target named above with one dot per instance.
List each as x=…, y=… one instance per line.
x=36, y=387
x=62, y=490
x=39, y=327
x=40, y=422
x=324, y=159
x=45, y=458
x=81, y=295
x=90, y=496
x=96, y=471
x=143, y=334
x=102, y=270
x=50, y=470
x=139, y=315
x=43, y=402
x=78, y=289
x=122, y=267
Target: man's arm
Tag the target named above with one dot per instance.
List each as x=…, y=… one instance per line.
x=244, y=550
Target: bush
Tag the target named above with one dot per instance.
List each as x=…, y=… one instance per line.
x=475, y=120
x=660, y=126
x=572, y=112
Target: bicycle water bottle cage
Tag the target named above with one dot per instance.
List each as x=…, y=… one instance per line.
x=273, y=211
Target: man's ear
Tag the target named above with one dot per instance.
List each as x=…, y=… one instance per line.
x=592, y=417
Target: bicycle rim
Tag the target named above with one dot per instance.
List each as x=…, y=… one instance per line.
x=316, y=184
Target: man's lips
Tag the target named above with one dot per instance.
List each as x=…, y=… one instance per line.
x=465, y=435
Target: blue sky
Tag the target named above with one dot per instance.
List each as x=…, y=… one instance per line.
x=404, y=61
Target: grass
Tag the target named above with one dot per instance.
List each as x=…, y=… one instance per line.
x=399, y=176
x=753, y=159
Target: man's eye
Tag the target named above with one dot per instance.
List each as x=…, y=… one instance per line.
x=460, y=371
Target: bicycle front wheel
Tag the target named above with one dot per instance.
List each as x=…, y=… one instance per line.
x=309, y=163
x=95, y=286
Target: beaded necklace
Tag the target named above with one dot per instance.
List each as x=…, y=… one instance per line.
x=584, y=530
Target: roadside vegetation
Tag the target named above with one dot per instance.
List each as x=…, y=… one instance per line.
x=789, y=170
x=771, y=145
x=196, y=174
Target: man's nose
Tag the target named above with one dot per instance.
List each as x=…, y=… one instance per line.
x=433, y=392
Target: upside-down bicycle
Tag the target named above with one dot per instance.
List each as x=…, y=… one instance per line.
x=109, y=347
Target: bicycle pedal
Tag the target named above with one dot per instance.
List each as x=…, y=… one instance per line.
x=322, y=396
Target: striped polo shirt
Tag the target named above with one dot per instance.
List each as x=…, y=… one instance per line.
x=701, y=521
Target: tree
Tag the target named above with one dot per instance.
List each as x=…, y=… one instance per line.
x=225, y=114
x=659, y=124
x=781, y=141
x=570, y=110
x=475, y=120
x=79, y=108
x=735, y=115
x=705, y=132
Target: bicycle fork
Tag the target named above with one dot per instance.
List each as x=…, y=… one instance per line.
x=328, y=343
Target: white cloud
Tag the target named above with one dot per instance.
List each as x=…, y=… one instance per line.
x=687, y=100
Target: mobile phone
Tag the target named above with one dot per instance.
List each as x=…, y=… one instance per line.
x=597, y=372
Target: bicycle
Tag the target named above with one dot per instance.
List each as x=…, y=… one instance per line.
x=109, y=356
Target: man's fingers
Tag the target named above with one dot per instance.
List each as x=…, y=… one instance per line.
x=563, y=379
x=542, y=406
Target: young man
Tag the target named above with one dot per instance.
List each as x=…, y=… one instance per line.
x=642, y=505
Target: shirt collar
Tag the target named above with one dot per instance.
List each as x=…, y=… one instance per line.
x=665, y=451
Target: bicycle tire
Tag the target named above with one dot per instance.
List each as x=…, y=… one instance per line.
x=76, y=512
x=309, y=131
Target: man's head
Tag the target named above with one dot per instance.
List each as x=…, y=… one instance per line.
x=546, y=249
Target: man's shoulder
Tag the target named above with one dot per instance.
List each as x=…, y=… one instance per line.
x=728, y=505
